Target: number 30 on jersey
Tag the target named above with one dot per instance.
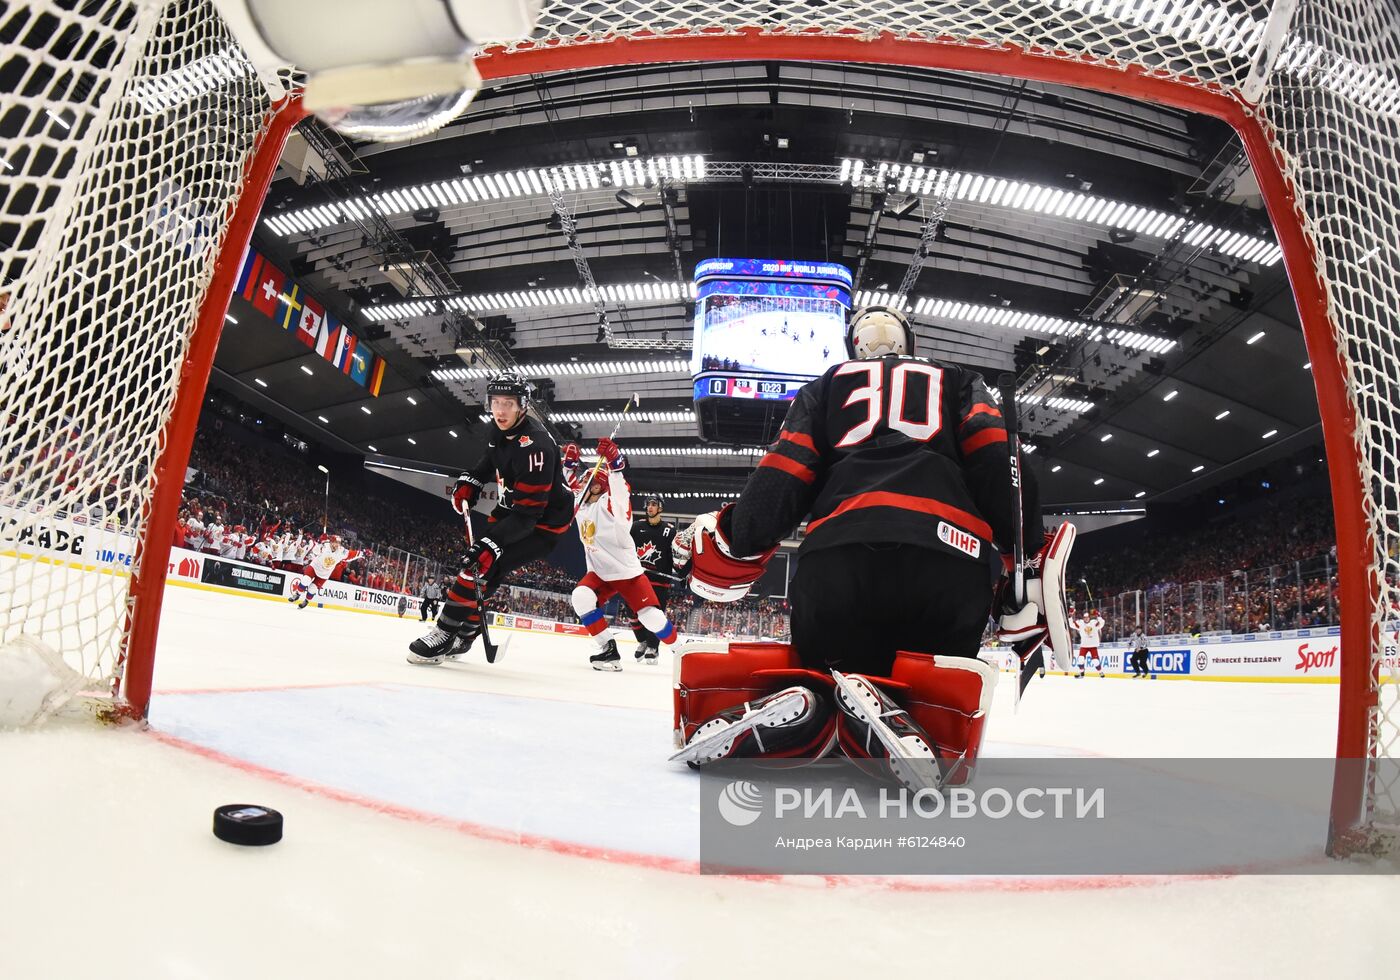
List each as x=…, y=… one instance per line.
x=892, y=404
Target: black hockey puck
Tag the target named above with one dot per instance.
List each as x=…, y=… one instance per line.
x=247, y=824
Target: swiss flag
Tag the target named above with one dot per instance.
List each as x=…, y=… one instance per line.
x=313, y=317
x=271, y=282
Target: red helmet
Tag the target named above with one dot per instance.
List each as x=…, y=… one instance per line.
x=599, y=481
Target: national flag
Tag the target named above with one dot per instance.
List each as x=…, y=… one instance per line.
x=361, y=360
x=345, y=356
x=328, y=337
x=378, y=379
x=248, y=273
x=313, y=318
x=288, y=313
x=268, y=291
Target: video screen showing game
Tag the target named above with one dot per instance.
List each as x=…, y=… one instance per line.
x=785, y=319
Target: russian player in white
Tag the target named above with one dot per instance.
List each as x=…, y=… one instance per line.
x=1090, y=630
x=330, y=557
x=605, y=526
x=213, y=536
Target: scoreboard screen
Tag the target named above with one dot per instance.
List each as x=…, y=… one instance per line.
x=763, y=329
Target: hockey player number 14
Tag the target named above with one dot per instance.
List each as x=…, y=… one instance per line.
x=896, y=411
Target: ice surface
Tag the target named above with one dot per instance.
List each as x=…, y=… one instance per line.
x=475, y=820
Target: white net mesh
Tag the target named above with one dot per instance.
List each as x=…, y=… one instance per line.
x=126, y=125
x=124, y=131
x=1325, y=78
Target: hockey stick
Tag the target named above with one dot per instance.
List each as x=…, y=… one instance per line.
x=492, y=651
x=1034, y=661
x=632, y=403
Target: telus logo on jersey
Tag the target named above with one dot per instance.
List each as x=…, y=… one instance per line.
x=960, y=539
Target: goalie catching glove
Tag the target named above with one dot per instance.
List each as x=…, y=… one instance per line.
x=716, y=573
x=1044, y=618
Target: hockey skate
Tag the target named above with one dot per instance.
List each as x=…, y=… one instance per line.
x=792, y=722
x=872, y=726
x=461, y=644
x=608, y=658
x=647, y=654
x=305, y=601
x=432, y=648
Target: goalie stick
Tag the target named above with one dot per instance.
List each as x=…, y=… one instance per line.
x=1033, y=662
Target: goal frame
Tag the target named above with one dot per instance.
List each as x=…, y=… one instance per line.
x=1359, y=589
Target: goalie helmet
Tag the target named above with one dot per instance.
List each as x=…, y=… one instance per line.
x=876, y=331
x=509, y=384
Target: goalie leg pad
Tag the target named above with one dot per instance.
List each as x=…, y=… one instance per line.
x=711, y=677
x=795, y=722
x=1047, y=591
x=872, y=726
x=950, y=698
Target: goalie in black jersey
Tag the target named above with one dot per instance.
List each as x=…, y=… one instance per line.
x=900, y=465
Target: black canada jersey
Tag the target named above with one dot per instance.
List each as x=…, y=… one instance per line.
x=890, y=450
x=654, y=543
x=525, y=464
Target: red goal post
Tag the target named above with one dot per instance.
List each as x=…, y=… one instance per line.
x=1310, y=86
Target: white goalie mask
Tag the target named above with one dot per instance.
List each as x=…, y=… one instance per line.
x=876, y=331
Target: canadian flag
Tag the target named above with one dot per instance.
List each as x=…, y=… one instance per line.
x=313, y=317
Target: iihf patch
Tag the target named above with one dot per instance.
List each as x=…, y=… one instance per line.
x=526, y=440
x=960, y=539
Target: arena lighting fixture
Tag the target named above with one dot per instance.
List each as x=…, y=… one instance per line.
x=1270, y=434
x=412, y=441
x=1124, y=221
x=906, y=207
x=365, y=409
x=1170, y=395
x=1105, y=437
x=452, y=433
x=323, y=469
x=629, y=200
x=412, y=400
x=260, y=382
x=373, y=450
x=575, y=368
x=231, y=320
x=1256, y=338
x=323, y=420
x=1098, y=481
x=1140, y=494
x=1222, y=415
x=306, y=370
x=1056, y=468
x=1307, y=366
x=1197, y=469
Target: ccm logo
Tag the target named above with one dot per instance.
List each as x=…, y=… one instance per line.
x=964, y=542
x=1308, y=659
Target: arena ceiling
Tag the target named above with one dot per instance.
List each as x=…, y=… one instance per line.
x=1113, y=252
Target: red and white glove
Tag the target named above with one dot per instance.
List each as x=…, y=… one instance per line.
x=610, y=453
x=573, y=465
x=464, y=494
x=716, y=573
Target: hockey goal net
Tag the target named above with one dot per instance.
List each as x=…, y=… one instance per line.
x=115, y=217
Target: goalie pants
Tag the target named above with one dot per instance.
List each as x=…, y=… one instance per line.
x=855, y=605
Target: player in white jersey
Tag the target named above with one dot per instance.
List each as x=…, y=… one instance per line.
x=328, y=561
x=605, y=527
x=1090, y=630
x=213, y=536
x=233, y=537
x=194, y=533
